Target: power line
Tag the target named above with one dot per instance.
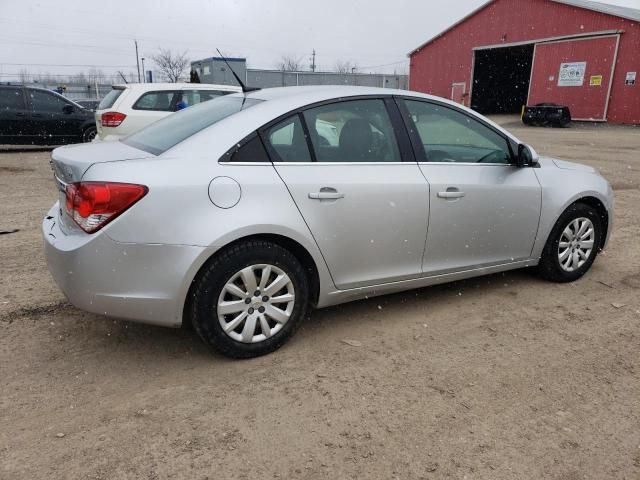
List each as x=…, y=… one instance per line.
x=65, y=65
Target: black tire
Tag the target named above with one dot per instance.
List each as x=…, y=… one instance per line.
x=550, y=267
x=89, y=134
x=211, y=280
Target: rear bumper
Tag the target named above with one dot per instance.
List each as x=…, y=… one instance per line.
x=138, y=282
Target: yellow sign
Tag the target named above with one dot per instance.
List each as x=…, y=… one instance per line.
x=596, y=80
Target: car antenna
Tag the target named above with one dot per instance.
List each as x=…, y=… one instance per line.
x=245, y=89
x=125, y=80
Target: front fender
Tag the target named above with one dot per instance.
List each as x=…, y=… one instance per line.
x=560, y=189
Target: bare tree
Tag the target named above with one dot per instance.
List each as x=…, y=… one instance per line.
x=172, y=65
x=345, y=66
x=25, y=76
x=95, y=75
x=289, y=63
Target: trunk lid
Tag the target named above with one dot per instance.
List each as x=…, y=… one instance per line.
x=70, y=162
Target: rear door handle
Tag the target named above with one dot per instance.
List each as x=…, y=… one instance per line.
x=326, y=193
x=451, y=194
x=20, y=114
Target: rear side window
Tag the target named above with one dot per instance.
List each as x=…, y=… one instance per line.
x=193, y=97
x=162, y=101
x=251, y=151
x=352, y=131
x=288, y=142
x=11, y=99
x=160, y=136
x=110, y=98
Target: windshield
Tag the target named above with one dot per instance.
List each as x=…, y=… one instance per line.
x=160, y=136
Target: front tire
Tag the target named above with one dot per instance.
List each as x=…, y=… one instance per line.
x=250, y=299
x=573, y=244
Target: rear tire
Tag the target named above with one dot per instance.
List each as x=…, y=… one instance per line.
x=572, y=245
x=89, y=134
x=250, y=299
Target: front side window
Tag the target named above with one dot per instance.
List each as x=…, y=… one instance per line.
x=157, y=101
x=46, y=102
x=287, y=141
x=448, y=135
x=11, y=99
x=352, y=131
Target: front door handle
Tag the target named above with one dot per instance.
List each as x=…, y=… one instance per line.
x=451, y=193
x=326, y=193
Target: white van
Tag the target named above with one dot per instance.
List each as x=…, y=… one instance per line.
x=129, y=107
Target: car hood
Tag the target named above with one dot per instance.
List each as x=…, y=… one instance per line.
x=70, y=162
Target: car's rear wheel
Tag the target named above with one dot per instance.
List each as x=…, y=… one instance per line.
x=572, y=245
x=89, y=134
x=250, y=299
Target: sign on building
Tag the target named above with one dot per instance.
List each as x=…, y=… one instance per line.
x=572, y=74
x=631, y=78
x=595, y=81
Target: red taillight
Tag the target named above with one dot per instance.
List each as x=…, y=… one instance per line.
x=112, y=119
x=94, y=204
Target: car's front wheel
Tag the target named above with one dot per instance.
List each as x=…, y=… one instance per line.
x=572, y=245
x=250, y=299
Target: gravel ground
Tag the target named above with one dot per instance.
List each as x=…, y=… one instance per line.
x=500, y=377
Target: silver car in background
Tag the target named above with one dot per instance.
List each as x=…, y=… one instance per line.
x=241, y=214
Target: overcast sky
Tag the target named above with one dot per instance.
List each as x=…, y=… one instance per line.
x=377, y=34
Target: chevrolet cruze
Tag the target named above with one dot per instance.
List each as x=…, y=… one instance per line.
x=241, y=214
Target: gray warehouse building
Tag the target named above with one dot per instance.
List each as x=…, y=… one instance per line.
x=215, y=70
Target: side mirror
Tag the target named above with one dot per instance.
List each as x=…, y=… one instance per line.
x=67, y=109
x=527, y=156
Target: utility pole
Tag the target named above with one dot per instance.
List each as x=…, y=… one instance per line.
x=144, y=73
x=313, y=60
x=137, y=59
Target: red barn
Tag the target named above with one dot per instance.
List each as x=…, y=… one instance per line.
x=510, y=53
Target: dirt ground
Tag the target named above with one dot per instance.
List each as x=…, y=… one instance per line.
x=500, y=377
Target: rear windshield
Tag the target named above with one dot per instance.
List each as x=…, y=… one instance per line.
x=160, y=136
x=110, y=98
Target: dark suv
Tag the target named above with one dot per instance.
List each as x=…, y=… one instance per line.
x=36, y=116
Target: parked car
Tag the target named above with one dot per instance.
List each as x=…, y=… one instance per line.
x=130, y=107
x=88, y=104
x=215, y=217
x=37, y=116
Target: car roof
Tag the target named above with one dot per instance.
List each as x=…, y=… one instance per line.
x=180, y=86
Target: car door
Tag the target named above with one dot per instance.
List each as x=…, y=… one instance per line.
x=484, y=210
x=15, y=127
x=53, y=118
x=361, y=194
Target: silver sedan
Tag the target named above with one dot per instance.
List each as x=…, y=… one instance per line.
x=241, y=214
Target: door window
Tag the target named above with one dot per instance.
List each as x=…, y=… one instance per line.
x=156, y=101
x=448, y=135
x=287, y=141
x=352, y=131
x=11, y=99
x=46, y=102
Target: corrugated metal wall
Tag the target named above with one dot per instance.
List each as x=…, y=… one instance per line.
x=588, y=102
x=449, y=58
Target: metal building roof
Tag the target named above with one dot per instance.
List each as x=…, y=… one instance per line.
x=615, y=10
